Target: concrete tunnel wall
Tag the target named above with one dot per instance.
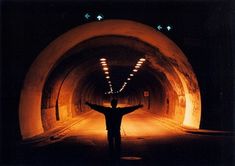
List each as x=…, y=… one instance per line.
x=182, y=88
x=168, y=105
x=80, y=76
x=76, y=87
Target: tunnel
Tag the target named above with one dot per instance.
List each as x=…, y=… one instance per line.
x=69, y=72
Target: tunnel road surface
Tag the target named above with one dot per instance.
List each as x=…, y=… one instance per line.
x=146, y=140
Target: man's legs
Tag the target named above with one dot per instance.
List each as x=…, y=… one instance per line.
x=118, y=143
x=110, y=141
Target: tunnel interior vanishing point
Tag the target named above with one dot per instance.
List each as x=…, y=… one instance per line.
x=68, y=72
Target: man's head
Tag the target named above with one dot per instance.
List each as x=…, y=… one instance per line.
x=114, y=103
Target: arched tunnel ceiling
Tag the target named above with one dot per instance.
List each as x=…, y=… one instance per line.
x=81, y=77
x=77, y=53
x=122, y=53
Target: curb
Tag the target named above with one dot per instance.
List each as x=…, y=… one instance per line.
x=56, y=133
x=170, y=123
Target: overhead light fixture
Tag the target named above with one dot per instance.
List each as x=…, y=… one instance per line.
x=135, y=70
x=102, y=59
x=105, y=68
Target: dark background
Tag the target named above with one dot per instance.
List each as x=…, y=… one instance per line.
x=204, y=30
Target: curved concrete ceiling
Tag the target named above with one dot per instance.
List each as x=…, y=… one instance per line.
x=68, y=72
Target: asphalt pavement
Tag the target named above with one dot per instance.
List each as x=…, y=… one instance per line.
x=146, y=140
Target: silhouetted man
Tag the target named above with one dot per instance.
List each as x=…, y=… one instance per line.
x=113, y=118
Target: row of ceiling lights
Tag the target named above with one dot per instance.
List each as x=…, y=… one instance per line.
x=107, y=76
x=134, y=71
x=106, y=72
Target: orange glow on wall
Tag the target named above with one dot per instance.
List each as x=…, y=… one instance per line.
x=31, y=94
x=191, y=99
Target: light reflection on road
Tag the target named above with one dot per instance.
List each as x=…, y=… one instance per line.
x=139, y=124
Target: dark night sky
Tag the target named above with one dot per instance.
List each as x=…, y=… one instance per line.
x=202, y=29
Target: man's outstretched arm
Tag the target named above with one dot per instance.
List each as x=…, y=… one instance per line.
x=127, y=110
x=98, y=108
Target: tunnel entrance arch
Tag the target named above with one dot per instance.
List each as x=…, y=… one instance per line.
x=171, y=61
